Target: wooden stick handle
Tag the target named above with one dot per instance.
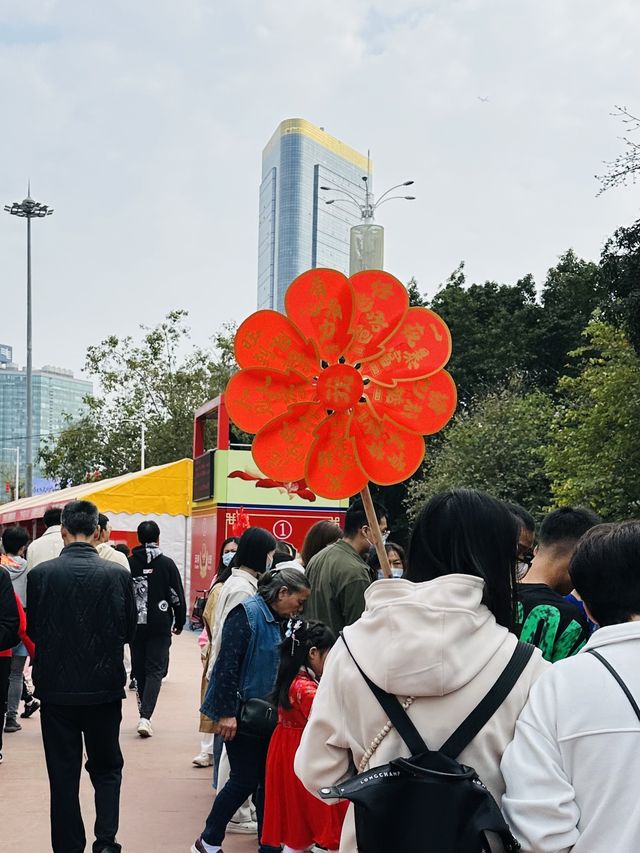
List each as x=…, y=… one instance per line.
x=381, y=551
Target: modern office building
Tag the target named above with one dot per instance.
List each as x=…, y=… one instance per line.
x=56, y=393
x=297, y=230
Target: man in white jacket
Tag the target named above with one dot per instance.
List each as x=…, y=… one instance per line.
x=107, y=551
x=571, y=777
x=50, y=544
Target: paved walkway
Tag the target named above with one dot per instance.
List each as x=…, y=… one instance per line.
x=164, y=798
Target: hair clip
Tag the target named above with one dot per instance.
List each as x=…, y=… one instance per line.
x=290, y=633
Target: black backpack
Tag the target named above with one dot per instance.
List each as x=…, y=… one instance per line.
x=430, y=803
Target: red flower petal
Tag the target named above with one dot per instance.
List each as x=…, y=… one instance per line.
x=282, y=447
x=388, y=453
x=269, y=339
x=381, y=305
x=423, y=406
x=255, y=397
x=320, y=303
x=333, y=470
x=420, y=347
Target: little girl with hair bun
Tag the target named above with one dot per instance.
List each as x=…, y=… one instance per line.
x=294, y=818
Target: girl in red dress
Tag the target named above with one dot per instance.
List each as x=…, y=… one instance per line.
x=292, y=816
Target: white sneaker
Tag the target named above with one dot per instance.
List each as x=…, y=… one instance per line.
x=144, y=728
x=249, y=827
x=205, y=759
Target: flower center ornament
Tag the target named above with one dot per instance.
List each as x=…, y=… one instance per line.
x=342, y=389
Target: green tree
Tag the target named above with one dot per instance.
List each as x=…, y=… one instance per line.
x=493, y=327
x=569, y=296
x=497, y=447
x=593, y=456
x=158, y=381
x=620, y=280
x=416, y=299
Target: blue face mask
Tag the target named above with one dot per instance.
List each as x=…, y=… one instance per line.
x=395, y=573
x=227, y=557
x=269, y=564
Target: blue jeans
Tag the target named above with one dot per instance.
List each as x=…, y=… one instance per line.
x=247, y=760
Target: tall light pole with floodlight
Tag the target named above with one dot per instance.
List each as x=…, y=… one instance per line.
x=29, y=209
x=367, y=239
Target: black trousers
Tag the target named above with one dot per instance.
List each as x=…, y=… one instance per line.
x=5, y=672
x=149, y=665
x=247, y=761
x=63, y=728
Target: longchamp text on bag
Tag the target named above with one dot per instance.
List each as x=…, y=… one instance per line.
x=430, y=803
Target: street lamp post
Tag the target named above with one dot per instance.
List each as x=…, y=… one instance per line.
x=366, y=239
x=29, y=209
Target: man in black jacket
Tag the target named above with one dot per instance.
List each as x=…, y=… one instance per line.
x=162, y=609
x=81, y=613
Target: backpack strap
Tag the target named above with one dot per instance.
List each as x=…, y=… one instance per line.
x=624, y=687
x=394, y=711
x=481, y=715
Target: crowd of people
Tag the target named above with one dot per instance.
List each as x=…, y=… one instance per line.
x=302, y=651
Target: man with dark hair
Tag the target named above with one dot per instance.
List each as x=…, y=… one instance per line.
x=50, y=544
x=545, y=617
x=81, y=612
x=104, y=549
x=162, y=610
x=526, y=536
x=14, y=542
x=570, y=772
x=339, y=575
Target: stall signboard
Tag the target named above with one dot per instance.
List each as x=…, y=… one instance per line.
x=243, y=497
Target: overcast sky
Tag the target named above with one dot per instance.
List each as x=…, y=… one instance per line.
x=143, y=122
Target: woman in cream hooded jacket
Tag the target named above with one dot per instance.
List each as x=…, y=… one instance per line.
x=435, y=641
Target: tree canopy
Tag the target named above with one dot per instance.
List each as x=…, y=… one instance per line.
x=593, y=453
x=158, y=381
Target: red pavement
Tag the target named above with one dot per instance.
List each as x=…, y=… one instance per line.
x=164, y=800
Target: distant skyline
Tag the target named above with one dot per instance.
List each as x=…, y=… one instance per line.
x=142, y=125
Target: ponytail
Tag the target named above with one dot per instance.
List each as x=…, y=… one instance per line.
x=300, y=638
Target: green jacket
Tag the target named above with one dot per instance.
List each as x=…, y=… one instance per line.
x=339, y=578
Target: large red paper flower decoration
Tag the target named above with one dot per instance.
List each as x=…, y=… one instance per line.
x=343, y=388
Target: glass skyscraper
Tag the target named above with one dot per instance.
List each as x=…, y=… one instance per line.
x=56, y=393
x=297, y=230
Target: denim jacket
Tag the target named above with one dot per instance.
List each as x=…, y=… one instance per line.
x=260, y=666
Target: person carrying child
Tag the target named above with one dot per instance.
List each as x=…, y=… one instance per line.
x=293, y=817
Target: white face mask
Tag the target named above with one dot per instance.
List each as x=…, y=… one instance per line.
x=227, y=557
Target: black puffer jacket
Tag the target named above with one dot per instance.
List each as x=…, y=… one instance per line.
x=159, y=593
x=81, y=613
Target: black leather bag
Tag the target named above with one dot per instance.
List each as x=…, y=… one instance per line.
x=258, y=718
x=430, y=803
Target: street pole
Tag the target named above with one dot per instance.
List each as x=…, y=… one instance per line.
x=142, y=445
x=29, y=462
x=29, y=209
x=17, y=488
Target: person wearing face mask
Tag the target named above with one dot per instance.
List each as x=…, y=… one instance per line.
x=397, y=561
x=207, y=728
x=339, y=575
x=246, y=668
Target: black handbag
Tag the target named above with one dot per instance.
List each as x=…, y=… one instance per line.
x=257, y=718
x=198, y=608
x=430, y=803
